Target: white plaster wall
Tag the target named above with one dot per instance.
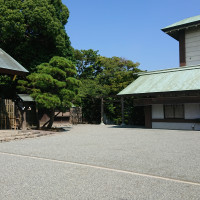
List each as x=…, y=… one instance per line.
x=192, y=46
x=192, y=111
x=157, y=111
x=176, y=126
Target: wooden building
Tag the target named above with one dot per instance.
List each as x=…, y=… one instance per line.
x=171, y=98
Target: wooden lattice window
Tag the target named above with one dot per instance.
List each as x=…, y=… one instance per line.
x=174, y=111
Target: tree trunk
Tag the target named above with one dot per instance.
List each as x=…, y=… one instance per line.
x=51, y=120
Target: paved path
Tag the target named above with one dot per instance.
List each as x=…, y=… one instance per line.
x=102, y=162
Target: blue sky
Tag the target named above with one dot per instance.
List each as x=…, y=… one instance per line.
x=129, y=28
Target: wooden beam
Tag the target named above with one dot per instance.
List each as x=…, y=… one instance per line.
x=166, y=100
x=12, y=72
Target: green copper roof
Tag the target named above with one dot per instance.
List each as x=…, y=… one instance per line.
x=25, y=97
x=10, y=66
x=183, y=23
x=175, y=79
x=173, y=29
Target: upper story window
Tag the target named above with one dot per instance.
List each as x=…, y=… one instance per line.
x=174, y=111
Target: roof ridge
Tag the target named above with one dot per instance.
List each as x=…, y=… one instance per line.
x=184, y=23
x=191, y=67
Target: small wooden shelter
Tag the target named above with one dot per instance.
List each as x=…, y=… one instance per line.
x=171, y=97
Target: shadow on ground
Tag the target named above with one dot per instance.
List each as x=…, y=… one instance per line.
x=126, y=126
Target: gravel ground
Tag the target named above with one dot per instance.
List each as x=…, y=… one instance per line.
x=102, y=150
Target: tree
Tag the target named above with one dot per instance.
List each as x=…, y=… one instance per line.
x=86, y=63
x=32, y=31
x=102, y=76
x=53, y=85
x=116, y=73
x=88, y=68
x=89, y=92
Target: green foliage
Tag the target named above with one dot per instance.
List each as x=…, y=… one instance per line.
x=47, y=100
x=5, y=80
x=116, y=74
x=32, y=31
x=102, y=76
x=86, y=63
x=6, y=84
x=91, y=109
x=91, y=88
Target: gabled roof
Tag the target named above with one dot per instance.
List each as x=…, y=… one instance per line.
x=10, y=66
x=173, y=29
x=175, y=79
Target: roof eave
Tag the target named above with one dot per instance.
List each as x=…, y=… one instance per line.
x=13, y=72
x=173, y=31
x=190, y=67
x=158, y=93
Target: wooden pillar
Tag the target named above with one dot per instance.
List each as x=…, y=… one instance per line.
x=24, y=121
x=122, y=106
x=102, y=111
x=37, y=116
x=148, y=116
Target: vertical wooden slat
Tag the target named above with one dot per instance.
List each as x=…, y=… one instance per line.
x=7, y=113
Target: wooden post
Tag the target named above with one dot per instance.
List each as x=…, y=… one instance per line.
x=37, y=116
x=148, y=116
x=122, y=106
x=24, y=120
x=102, y=111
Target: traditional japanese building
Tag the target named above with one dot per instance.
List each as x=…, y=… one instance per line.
x=171, y=97
x=13, y=107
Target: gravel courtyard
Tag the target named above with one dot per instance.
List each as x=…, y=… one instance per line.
x=102, y=162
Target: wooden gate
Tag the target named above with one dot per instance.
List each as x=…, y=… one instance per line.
x=7, y=114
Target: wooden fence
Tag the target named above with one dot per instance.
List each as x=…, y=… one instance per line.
x=8, y=118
